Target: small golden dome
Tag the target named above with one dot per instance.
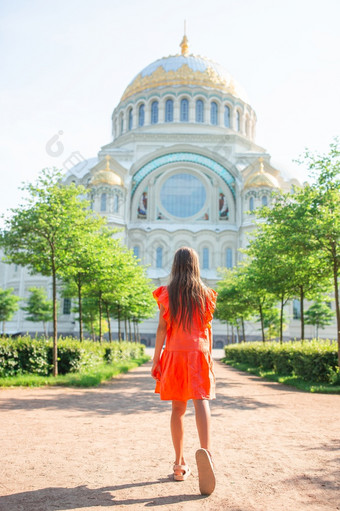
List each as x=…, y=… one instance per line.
x=106, y=176
x=261, y=178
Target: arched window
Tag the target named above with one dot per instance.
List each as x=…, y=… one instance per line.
x=251, y=204
x=159, y=257
x=184, y=110
x=213, y=113
x=205, y=258
x=121, y=125
x=141, y=115
x=103, y=202
x=154, y=112
x=130, y=119
x=227, y=116
x=169, y=110
x=199, y=111
x=296, y=309
x=115, y=203
x=238, y=121
x=264, y=200
x=229, y=258
x=136, y=251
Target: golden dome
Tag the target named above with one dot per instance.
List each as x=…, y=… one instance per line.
x=187, y=70
x=261, y=178
x=106, y=176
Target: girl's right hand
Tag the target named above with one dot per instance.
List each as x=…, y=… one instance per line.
x=156, y=371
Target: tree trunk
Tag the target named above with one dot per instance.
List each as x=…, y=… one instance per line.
x=100, y=317
x=336, y=296
x=281, y=321
x=130, y=334
x=45, y=331
x=138, y=333
x=237, y=332
x=232, y=334
x=80, y=306
x=119, y=329
x=262, y=322
x=108, y=322
x=125, y=329
x=55, y=333
x=227, y=333
x=243, y=330
x=302, y=314
x=134, y=331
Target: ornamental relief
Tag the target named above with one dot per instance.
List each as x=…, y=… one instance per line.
x=184, y=75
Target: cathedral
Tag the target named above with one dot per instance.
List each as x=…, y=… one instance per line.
x=182, y=169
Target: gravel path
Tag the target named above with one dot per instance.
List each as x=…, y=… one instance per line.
x=274, y=448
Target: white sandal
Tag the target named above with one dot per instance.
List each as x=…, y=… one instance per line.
x=181, y=472
x=206, y=475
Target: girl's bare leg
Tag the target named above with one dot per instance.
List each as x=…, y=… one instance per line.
x=177, y=429
x=202, y=412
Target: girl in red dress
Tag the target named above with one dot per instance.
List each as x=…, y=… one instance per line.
x=185, y=368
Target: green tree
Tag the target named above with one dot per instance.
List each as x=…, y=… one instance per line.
x=8, y=305
x=320, y=315
x=40, y=233
x=321, y=200
x=39, y=308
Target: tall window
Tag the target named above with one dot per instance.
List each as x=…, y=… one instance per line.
x=238, y=121
x=264, y=200
x=205, y=258
x=130, y=119
x=115, y=203
x=213, y=113
x=103, y=202
x=227, y=116
x=141, y=115
x=67, y=306
x=251, y=204
x=154, y=112
x=296, y=309
x=184, y=110
x=136, y=251
x=229, y=258
x=159, y=257
x=169, y=110
x=199, y=111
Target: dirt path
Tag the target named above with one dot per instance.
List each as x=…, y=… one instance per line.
x=274, y=448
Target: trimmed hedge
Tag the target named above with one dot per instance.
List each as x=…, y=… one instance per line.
x=26, y=355
x=315, y=361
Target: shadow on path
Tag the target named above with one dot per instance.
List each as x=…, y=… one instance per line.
x=128, y=394
x=52, y=498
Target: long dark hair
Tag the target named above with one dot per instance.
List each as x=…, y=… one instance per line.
x=187, y=293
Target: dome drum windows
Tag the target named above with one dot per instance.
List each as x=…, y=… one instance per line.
x=169, y=110
x=184, y=113
x=199, y=111
x=227, y=116
x=154, y=112
x=130, y=119
x=251, y=204
x=141, y=115
x=214, y=113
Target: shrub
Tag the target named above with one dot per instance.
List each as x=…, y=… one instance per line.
x=314, y=361
x=26, y=355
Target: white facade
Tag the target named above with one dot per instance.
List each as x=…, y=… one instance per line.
x=182, y=168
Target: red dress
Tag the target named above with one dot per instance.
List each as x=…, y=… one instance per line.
x=187, y=370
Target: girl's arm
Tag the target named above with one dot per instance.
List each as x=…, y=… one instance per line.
x=160, y=338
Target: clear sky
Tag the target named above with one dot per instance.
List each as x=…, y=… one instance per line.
x=66, y=63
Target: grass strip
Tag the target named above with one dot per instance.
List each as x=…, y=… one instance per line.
x=294, y=381
x=86, y=378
